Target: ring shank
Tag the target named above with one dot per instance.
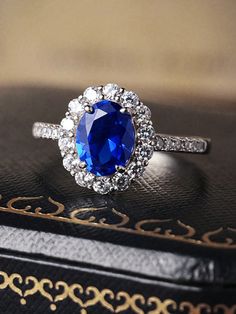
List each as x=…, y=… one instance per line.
x=163, y=142
x=46, y=130
x=185, y=144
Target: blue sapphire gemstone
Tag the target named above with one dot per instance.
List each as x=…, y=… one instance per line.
x=105, y=138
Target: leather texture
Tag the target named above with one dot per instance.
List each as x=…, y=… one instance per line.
x=197, y=190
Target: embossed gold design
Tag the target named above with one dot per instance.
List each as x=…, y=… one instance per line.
x=130, y=302
x=162, y=307
x=121, y=222
x=198, y=309
x=89, y=297
x=222, y=308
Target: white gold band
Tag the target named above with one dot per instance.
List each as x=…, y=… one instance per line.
x=163, y=142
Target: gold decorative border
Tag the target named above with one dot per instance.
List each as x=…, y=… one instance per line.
x=218, y=238
x=89, y=297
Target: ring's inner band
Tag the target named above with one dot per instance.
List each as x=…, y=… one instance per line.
x=162, y=142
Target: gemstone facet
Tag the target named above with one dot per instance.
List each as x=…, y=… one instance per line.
x=105, y=138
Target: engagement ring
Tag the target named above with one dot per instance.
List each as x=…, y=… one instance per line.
x=107, y=138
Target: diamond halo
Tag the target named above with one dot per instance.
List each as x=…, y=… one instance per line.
x=144, y=139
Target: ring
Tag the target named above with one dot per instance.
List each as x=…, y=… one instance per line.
x=107, y=138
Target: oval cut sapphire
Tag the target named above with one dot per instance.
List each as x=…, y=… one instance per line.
x=105, y=138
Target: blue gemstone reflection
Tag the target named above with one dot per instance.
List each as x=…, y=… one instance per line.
x=105, y=138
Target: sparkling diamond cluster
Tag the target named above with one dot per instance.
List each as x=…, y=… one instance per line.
x=46, y=130
x=129, y=159
x=180, y=144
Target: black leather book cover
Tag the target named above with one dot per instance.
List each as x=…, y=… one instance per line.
x=167, y=245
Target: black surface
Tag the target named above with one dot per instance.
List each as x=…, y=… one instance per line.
x=168, y=296
x=199, y=190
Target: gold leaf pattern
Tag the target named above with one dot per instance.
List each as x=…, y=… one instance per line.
x=65, y=293
x=158, y=227
x=221, y=308
x=105, y=298
x=12, y=284
x=198, y=309
x=161, y=307
x=129, y=302
x=34, y=288
x=73, y=295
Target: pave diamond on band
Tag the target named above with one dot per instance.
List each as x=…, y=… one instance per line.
x=163, y=142
x=46, y=130
x=107, y=138
x=185, y=144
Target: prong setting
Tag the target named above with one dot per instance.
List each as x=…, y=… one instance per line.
x=89, y=109
x=120, y=169
x=126, y=110
x=82, y=165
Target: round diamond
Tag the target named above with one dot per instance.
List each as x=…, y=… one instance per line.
x=92, y=94
x=47, y=132
x=189, y=146
x=200, y=146
x=67, y=162
x=75, y=106
x=89, y=179
x=129, y=99
x=143, y=110
x=67, y=124
x=136, y=169
x=143, y=113
x=55, y=134
x=121, y=181
x=172, y=143
x=146, y=132
x=44, y=130
x=145, y=151
x=102, y=186
x=176, y=144
x=65, y=144
x=105, y=138
x=159, y=143
x=111, y=90
x=79, y=178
